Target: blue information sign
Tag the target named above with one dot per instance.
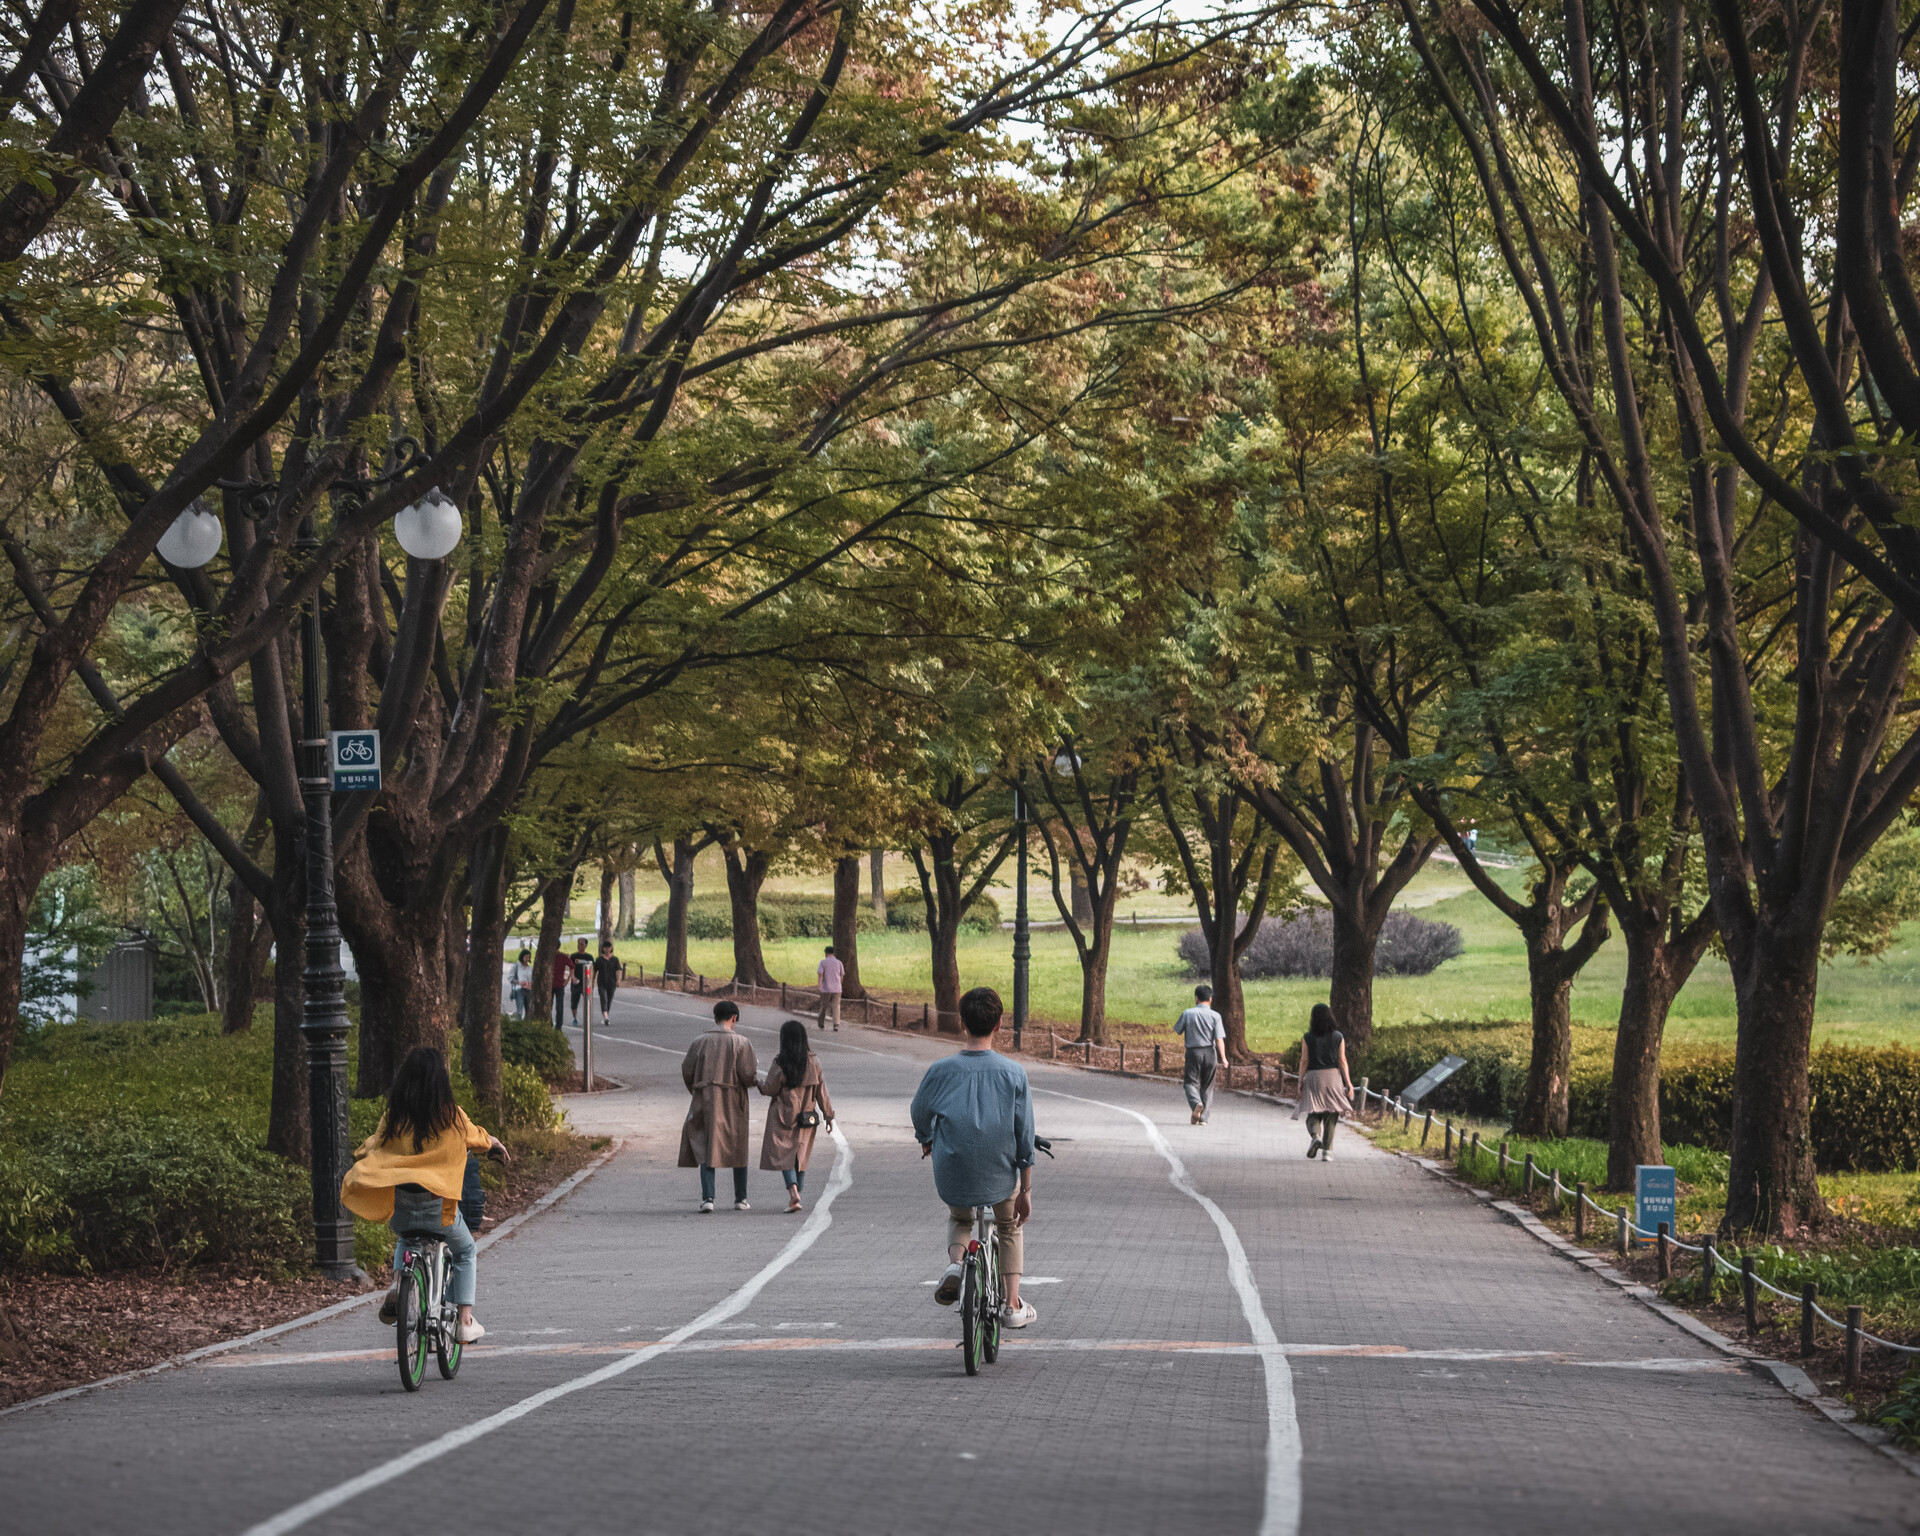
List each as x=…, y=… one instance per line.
x=353, y=759
x=1653, y=1199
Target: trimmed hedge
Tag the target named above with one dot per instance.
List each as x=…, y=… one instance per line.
x=537, y=1046
x=782, y=916
x=907, y=909
x=1865, y=1112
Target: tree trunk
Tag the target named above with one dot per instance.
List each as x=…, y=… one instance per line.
x=623, y=925
x=679, y=894
x=1771, y=1185
x=945, y=934
x=404, y=969
x=1093, y=995
x=553, y=917
x=1229, y=999
x=746, y=873
x=846, y=923
x=603, y=919
x=1633, y=1103
x=1350, y=993
x=1543, y=1103
x=878, y=860
x=480, y=1000
x=249, y=943
x=1081, y=899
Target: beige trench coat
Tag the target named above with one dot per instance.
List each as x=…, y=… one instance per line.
x=786, y=1145
x=718, y=1070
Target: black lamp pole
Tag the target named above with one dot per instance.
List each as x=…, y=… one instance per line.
x=324, y=1021
x=1022, y=935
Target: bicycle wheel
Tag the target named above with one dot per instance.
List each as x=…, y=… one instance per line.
x=990, y=1304
x=971, y=1341
x=410, y=1325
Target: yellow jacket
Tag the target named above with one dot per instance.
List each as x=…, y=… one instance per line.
x=441, y=1166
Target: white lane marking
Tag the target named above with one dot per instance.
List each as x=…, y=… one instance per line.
x=1281, y=1516
x=817, y=1222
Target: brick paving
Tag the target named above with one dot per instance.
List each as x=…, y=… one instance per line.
x=1618, y=1422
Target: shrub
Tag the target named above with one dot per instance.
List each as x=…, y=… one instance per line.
x=1302, y=945
x=782, y=916
x=156, y=1189
x=1899, y=1415
x=535, y=1046
x=907, y=909
x=524, y=1100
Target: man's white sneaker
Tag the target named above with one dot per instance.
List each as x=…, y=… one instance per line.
x=706, y=1207
x=947, y=1292
x=1326, y=1154
x=1020, y=1316
x=741, y=1205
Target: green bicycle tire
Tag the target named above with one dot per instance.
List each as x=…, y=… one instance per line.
x=410, y=1327
x=447, y=1348
x=990, y=1308
x=970, y=1340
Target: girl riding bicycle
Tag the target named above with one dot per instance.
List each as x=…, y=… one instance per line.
x=409, y=1174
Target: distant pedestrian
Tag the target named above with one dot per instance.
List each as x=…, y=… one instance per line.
x=800, y=1105
x=562, y=974
x=1206, y=1036
x=1325, y=1087
x=718, y=1070
x=832, y=974
x=580, y=969
x=607, y=971
x=520, y=983
x=1473, y=840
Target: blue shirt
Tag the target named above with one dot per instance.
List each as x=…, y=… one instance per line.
x=976, y=1111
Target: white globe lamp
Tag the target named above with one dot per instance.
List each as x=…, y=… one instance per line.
x=1065, y=765
x=430, y=528
x=193, y=540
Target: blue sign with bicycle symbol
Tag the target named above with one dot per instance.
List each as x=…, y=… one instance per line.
x=353, y=759
x=1653, y=1199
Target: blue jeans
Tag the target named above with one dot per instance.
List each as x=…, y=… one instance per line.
x=739, y=1183
x=794, y=1178
x=421, y=1213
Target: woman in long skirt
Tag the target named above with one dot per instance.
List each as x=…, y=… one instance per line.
x=1325, y=1087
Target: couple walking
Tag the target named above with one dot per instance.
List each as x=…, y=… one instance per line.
x=718, y=1070
x=1325, y=1086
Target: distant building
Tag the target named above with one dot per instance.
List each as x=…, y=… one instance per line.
x=122, y=984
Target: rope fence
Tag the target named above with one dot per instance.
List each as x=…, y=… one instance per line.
x=1712, y=1261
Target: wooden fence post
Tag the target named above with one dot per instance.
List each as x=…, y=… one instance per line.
x=896, y=1015
x=1053, y=1045
x=926, y=1019
x=1664, y=1243
x=1086, y=1056
x=1449, y=1145
x=1853, y=1345
x=1579, y=1211
x=1156, y=1058
x=1427, y=1129
x=1750, y=1293
x=1123, y=1055
x=1473, y=1152
x=703, y=984
x=1526, y=1174
x=1503, y=1162
x=1362, y=1114
x=1709, y=1269
x=783, y=997
x=1620, y=1232
x=1809, y=1292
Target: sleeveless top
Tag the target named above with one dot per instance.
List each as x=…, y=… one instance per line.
x=1323, y=1051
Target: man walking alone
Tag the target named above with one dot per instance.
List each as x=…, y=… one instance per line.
x=1206, y=1035
x=832, y=975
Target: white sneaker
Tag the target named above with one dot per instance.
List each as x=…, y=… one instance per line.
x=706, y=1207
x=947, y=1292
x=466, y=1333
x=1019, y=1317
x=1326, y=1154
x=741, y=1205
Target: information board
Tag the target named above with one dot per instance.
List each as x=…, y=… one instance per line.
x=1432, y=1078
x=353, y=759
x=1653, y=1199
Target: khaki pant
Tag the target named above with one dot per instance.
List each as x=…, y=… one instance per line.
x=1012, y=1235
x=829, y=1004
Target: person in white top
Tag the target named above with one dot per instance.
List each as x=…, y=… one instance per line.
x=832, y=973
x=520, y=983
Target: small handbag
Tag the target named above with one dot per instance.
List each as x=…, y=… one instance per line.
x=807, y=1120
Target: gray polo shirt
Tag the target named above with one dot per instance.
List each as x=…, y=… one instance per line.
x=1202, y=1027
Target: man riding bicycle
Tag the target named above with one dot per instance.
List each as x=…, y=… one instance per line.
x=973, y=1115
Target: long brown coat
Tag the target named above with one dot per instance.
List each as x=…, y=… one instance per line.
x=786, y=1145
x=718, y=1070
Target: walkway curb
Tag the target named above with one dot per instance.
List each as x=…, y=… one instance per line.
x=506, y=1229
x=1789, y=1378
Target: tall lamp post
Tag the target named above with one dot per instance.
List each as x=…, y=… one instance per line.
x=427, y=530
x=1022, y=934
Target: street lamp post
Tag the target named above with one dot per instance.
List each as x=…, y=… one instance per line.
x=324, y=1021
x=1022, y=935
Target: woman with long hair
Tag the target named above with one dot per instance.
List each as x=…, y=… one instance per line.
x=1325, y=1087
x=800, y=1103
x=409, y=1173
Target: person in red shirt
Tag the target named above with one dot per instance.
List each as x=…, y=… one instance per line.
x=562, y=974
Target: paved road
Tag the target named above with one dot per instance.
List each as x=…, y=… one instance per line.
x=1427, y=1366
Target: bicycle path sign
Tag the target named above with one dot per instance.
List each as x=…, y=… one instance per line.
x=353, y=759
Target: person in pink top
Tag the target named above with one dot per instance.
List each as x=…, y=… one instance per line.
x=832, y=973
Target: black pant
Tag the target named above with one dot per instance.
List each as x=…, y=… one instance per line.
x=574, y=991
x=1324, y=1133
x=559, y=1006
x=606, y=998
